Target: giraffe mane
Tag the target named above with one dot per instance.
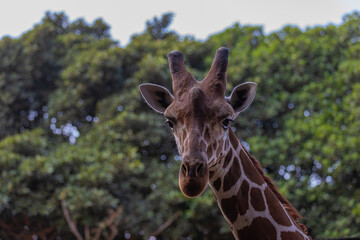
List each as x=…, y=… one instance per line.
x=286, y=204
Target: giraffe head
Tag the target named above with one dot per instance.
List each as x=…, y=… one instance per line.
x=199, y=115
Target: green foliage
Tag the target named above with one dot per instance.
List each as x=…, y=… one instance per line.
x=74, y=128
x=157, y=28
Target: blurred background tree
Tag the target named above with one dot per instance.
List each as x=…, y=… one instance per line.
x=82, y=155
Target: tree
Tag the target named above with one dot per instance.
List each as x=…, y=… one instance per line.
x=158, y=28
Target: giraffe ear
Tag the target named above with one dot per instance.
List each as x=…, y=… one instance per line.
x=242, y=96
x=158, y=97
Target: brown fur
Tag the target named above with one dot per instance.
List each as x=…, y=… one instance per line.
x=232, y=175
x=227, y=159
x=248, y=169
x=217, y=184
x=260, y=229
x=227, y=207
x=279, y=216
x=257, y=200
x=243, y=198
x=290, y=235
x=287, y=205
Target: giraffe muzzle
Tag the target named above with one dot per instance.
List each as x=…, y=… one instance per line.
x=193, y=177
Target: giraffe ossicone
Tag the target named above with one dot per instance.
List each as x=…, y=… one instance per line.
x=200, y=115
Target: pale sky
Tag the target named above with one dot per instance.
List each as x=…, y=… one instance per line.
x=199, y=18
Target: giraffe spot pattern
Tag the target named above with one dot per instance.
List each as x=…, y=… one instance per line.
x=291, y=236
x=202, y=145
x=232, y=175
x=227, y=207
x=275, y=208
x=209, y=152
x=243, y=198
x=234, y=141
x=207, y=135
x=214, y=145
x=227, y=159
x=186, y=144
x=219, y=149
x=250, y=170
x=257, y=200
x=183, y=135
x=260, y=229
x=217, y=184
x=211, y=174
x=226, y=144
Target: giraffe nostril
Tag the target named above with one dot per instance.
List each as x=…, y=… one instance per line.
x=199, y=168
x=183, y=169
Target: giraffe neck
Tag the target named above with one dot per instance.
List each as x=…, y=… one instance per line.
x=246, y=200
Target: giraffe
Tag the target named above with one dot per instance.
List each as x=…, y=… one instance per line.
x=200, y=115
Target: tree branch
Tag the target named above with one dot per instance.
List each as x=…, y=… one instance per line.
x=166, y=224
x=87, y=232
x=68, y=219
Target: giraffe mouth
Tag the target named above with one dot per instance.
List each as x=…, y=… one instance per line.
x=192, y=185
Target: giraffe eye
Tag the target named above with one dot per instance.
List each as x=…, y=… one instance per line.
x=225, y=124
x=170, y=124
